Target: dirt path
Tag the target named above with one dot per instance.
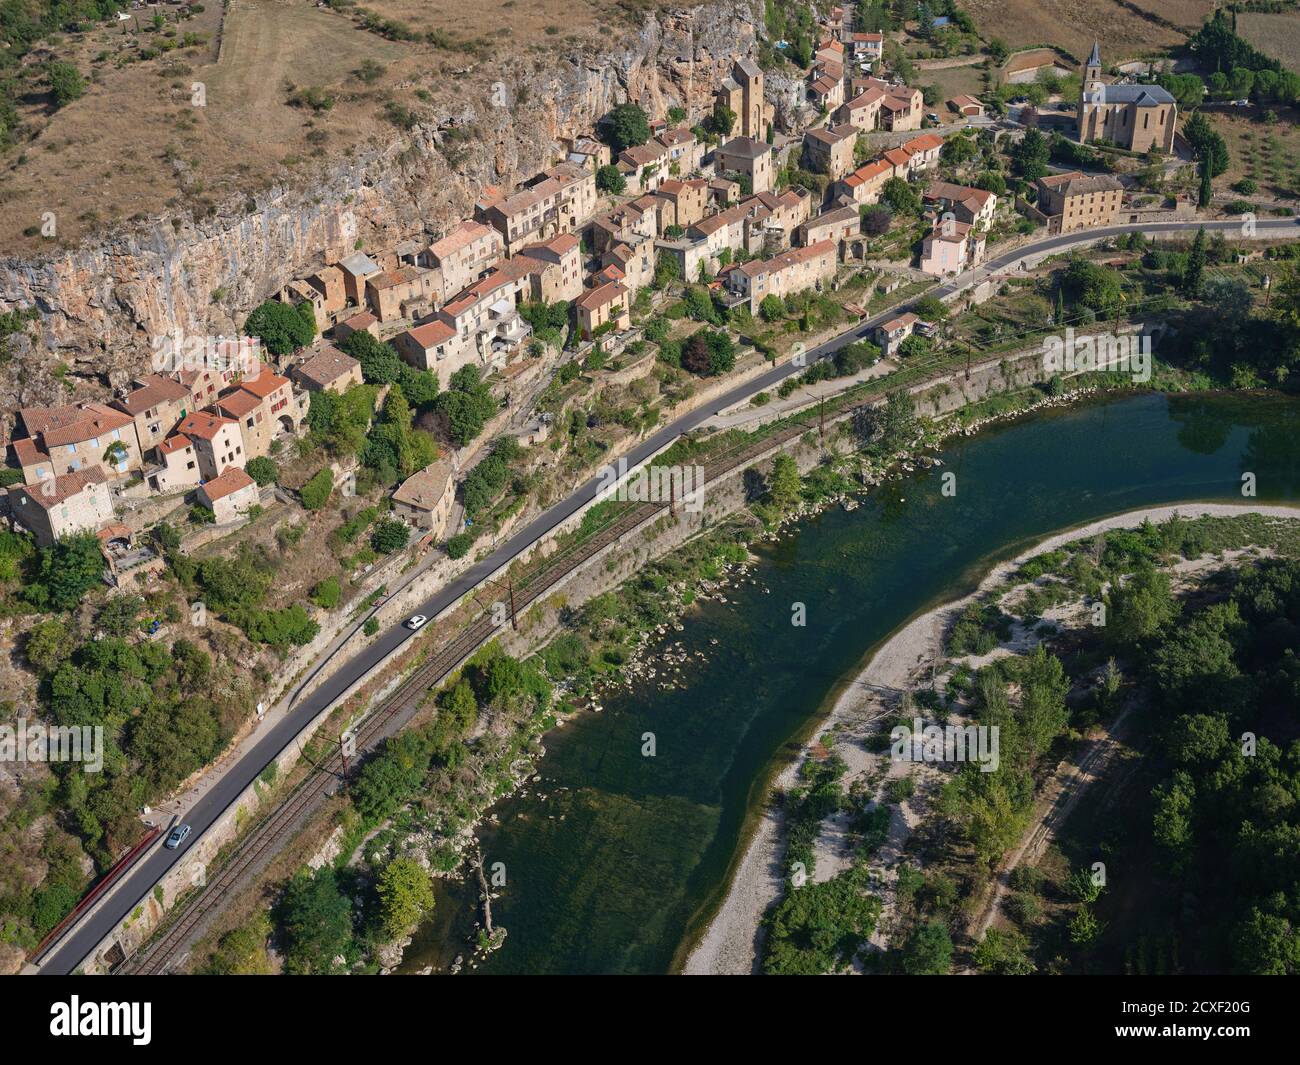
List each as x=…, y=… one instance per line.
x=1067, y=787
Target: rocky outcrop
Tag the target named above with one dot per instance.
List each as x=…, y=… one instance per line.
x=101, y=303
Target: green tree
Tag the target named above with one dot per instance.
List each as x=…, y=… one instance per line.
x=316, y=919
x=262, y=469
x=900, y=197
x=389, y=535
x=1029, y=157
x=785, y=486
x=626, y=126
x=283, y=329
x=608, y=179
x=405, y=893
x=68, y=569
x=66, y=83
x=327, y=593
x=928, y=950
x=380, y=363
x=316, y=492
x=1194, y=275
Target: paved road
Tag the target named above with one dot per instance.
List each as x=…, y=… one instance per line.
x=139, y=881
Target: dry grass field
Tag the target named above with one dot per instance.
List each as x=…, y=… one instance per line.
x=1268, y=153
x=1075, y=24
x=135, y=145
x=1274, y=35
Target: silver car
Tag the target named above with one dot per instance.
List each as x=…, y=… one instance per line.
x=177, y=837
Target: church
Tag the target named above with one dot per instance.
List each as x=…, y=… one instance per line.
x=1136, y=117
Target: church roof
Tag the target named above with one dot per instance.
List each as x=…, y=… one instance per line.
x=1094, y=60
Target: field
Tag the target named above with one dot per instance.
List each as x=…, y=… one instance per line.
x=952, y=81
x=1075, y=24
x=135, y=145
x=1274, y=35
x=1270, y=154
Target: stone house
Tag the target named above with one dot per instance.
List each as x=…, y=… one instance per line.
x=217, y=442
x=364, y=322
x=357, y=268
x=425, y=499
x=1077, y=201
x=791, y=271
x=74, y=502
x=975, y=207
x=750, y=157
x=862, y=112
x=155, y=404
x=78, y=436
x=330, y=283
x=683, y=202
x=830, y=151
x=597, y=306
x=466, y=253
x=405, y=292
x=230, y=495
x=865, y=184
x=840, y=226
x=177, y=467
x=327, y=369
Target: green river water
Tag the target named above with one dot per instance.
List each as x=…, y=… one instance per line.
x=621, y=866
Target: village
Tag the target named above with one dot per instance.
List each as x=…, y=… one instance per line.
x=563, y=267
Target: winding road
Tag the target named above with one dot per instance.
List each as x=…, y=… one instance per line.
x=136, y=883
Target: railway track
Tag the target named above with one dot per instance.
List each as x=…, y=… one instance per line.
x=268, y=835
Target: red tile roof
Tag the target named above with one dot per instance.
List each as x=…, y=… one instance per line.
x=228, y=483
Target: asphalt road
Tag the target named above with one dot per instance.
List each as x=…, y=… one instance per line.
x=148, y=870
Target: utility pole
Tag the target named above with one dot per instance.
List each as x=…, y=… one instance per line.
x=510, y=586
x=1268, y=290
x=672, y=498
x=343, y=753
x=968, y=349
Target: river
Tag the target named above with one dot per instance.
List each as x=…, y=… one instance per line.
x=619, y=868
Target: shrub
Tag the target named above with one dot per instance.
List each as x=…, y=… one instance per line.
x=327, y=593
x=459, y=545
x=390, y=535
x=262, y=469
x=316, y=492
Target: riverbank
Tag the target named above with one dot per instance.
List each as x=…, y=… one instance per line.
x=729, y=945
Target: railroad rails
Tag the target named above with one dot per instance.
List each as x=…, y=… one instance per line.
x=265, y=837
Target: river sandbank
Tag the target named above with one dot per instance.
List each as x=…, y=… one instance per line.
x=729, y=946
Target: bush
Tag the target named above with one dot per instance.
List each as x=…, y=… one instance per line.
x=327, y=593
x=66, y=83
x=283, y=329
x=458, y=546
x=390, y=535
x=316, y=492
x=262, y=469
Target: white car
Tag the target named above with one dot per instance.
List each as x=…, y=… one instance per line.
x=415, y=622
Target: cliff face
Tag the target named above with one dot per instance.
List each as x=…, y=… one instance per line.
x=101, y=304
